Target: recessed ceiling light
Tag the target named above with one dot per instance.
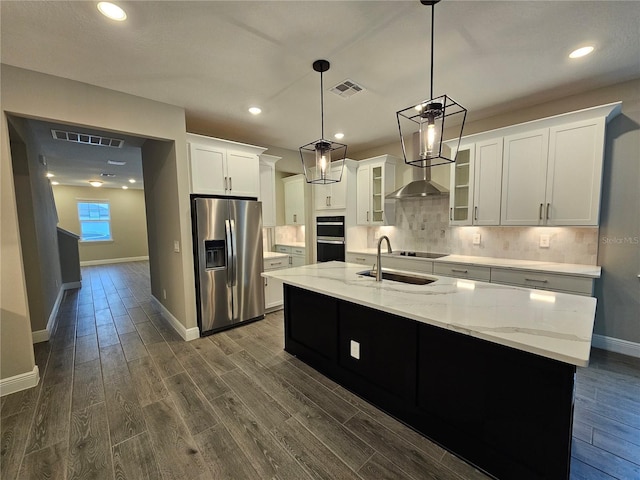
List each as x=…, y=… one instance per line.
x=49, y=175
x=581, y=52
x=55, y=183
x=255, y=110
x=132, y=180
x=124, y=187
x=95, y=183
x=339, y=136
x=112, y=11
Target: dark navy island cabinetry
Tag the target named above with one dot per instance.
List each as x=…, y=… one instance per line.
x=506, y=411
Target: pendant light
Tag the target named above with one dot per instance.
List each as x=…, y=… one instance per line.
x=322, y=160
x=423, y=124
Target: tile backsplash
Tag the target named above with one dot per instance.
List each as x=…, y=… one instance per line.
x=289, y=234
x=423, y=225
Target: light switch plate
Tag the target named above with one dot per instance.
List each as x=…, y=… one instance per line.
x=476, y=239
x=355, y=349
x=544, y=241
x=176, y=246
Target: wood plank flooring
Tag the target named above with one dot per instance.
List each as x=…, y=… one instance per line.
x=123, y=397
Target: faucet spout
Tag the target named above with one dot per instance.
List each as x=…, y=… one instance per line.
x=379, y=269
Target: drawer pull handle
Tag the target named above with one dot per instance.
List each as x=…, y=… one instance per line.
x=276, y=263
x=536, y=280
x=459, y=271
x=360, y=259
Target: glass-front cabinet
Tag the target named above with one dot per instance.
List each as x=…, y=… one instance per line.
x=461, y=191
x=375, y=178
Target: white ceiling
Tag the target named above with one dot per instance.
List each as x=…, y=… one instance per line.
x=217, y=58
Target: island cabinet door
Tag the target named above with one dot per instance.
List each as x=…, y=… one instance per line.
x=311, y=326
x=509, y=412
x=380, y=349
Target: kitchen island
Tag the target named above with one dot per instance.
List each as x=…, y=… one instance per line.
x=485, y=370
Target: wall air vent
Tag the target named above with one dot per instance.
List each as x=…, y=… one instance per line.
x=87, y=139
x=347, y=88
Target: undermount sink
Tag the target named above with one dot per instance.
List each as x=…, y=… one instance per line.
x=400, y=277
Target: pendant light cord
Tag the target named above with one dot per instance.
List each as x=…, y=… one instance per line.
x=321, y=107
x=433, y=6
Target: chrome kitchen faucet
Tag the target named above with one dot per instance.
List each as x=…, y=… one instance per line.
x=379, y=269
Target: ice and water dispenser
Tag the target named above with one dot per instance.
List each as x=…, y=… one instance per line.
x=215, y=254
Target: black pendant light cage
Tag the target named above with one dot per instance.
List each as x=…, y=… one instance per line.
x=415, y=123
x=322, y=159
x=424, y=123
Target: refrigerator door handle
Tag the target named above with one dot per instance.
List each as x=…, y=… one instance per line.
x=228, y=242
x=234, y=255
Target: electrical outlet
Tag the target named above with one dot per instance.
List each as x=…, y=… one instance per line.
x=544, y=241
x=476, y=239
x=164, y=293
x=355, y=349
x=176, y=246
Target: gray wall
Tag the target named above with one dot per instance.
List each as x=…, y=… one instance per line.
x=37, y=220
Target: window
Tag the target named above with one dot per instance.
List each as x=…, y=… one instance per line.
x=95, y=220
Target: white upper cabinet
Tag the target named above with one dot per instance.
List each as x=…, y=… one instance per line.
x=268, y=189
x=332, y=196
x=375, y=178
x=487, y=185
x=543, y=172
x=553, y=176
x=221, y=167
x=574, y=173
x=524, y=178
x=294, y=199
x=476, y=184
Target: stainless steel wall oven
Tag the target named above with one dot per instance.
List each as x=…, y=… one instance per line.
x=330, y=238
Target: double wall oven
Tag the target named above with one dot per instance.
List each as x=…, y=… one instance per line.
x=330, y=236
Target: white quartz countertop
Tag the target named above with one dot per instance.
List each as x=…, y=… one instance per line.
x=554, y=325
x=578, y=270
x=292, y=244
x=269, y=255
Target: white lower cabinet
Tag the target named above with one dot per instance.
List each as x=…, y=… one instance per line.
x=543, y=281
x=273, y=292
x=361, y=258
x=462, y=270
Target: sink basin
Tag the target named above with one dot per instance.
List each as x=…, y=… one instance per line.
x=400, y=277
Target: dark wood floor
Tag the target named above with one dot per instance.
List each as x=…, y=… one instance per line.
x=122, y=396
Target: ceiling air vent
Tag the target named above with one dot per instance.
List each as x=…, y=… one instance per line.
x=347, y=89
x=87, y=139
x=109, y=175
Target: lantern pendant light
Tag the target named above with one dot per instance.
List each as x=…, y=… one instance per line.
x=322, y=160
x=423, y=125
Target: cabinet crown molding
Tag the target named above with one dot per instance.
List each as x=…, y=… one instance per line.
x=607, y=111
x=222, y=143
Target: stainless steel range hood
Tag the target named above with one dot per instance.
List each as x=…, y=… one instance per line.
x=419, y=187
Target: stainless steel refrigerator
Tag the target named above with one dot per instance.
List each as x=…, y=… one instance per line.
x=228, y=257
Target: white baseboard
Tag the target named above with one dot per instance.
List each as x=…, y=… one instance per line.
x=187, y=334
x=617, y=345
x=19, y=382
x=44, y=335
x=107, y=261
